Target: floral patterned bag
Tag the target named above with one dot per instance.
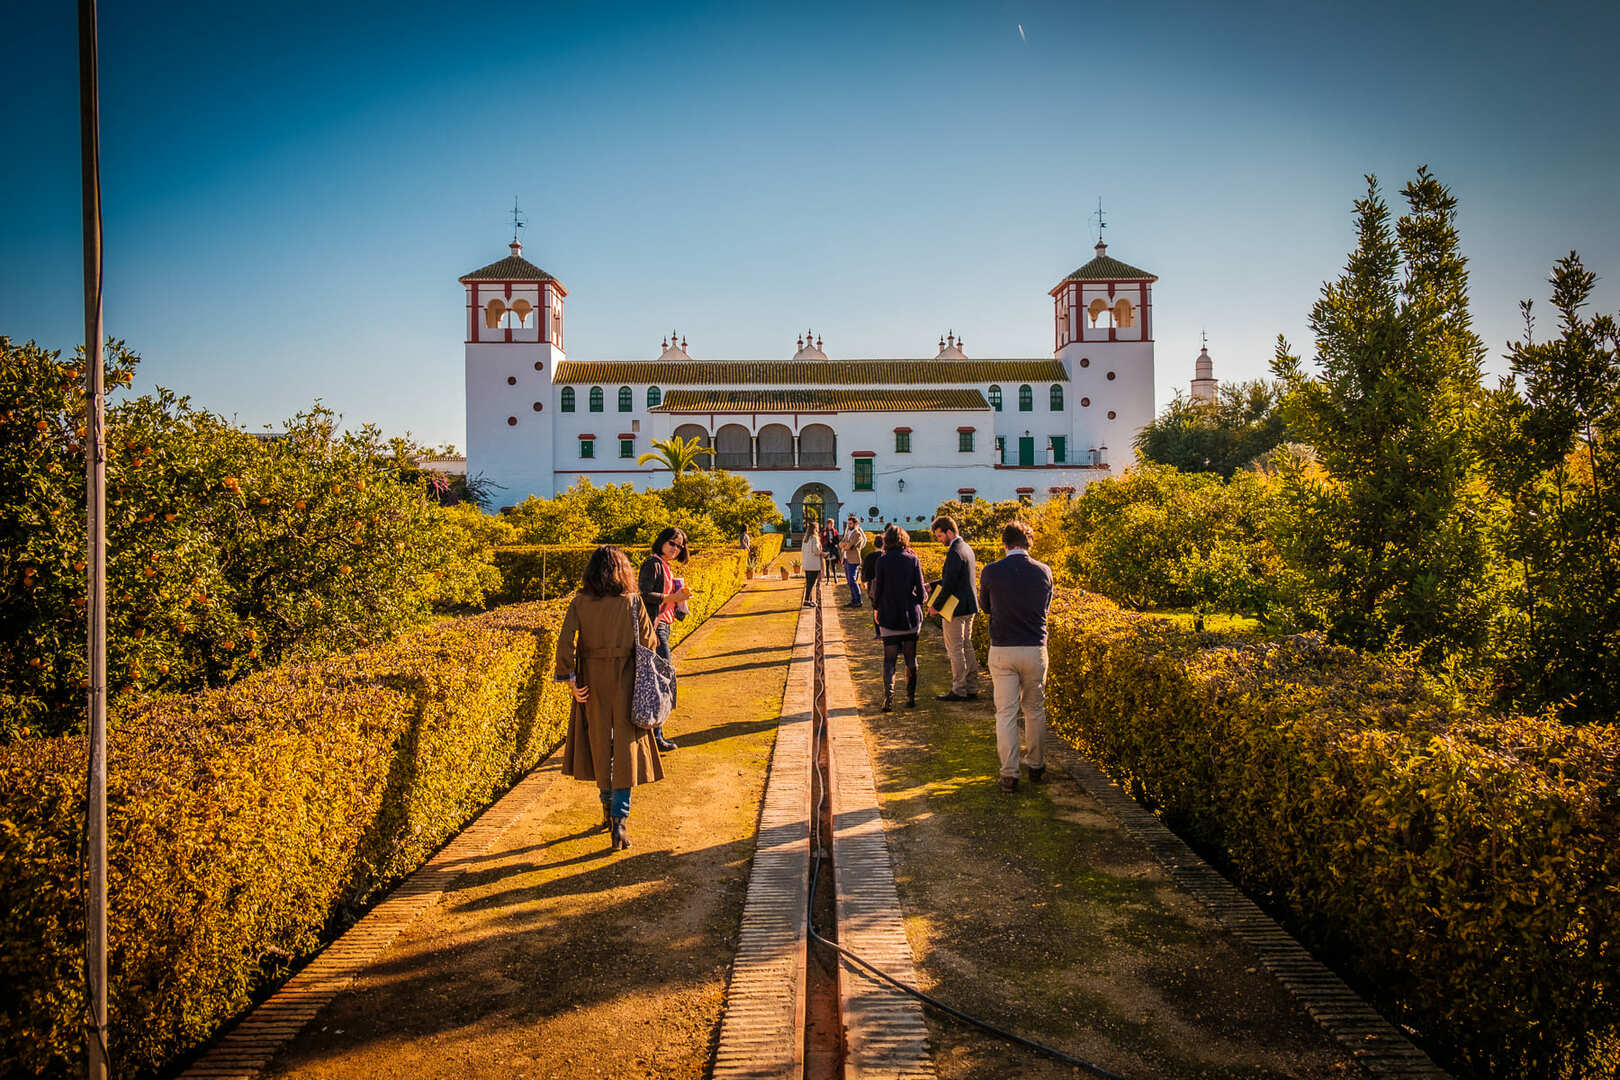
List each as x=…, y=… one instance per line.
x=654, y=695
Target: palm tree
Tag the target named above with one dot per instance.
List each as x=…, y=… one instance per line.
x=676, y=454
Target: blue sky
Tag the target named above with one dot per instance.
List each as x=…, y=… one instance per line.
x=291, y=190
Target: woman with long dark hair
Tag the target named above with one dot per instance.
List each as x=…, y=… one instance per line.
x=596, y=656
x=660, y=593
x=898, y=596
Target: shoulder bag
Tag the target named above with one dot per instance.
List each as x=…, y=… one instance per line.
x=653, y=697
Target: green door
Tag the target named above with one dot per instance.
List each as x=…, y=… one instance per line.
x=1026, y=450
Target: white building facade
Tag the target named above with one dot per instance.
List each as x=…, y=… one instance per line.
x=884, y=439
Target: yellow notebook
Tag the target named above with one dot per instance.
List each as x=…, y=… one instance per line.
x=946, y=609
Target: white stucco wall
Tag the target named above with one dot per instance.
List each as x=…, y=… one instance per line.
x=518, y=457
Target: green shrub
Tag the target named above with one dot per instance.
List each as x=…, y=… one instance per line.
x=1156, y=537
x=1465, y=868
x=246, y=824
x=226, y=553
x=712, y=506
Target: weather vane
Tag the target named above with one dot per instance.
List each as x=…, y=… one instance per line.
x=1098, y=214
x=517, y=219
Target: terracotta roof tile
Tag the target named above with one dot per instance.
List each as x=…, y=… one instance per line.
x=1107, y=268
x=810, y=373
x=511, y=268
x=785, y=401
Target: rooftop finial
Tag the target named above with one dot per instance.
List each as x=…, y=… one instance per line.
x=818, y=341
x=517, y=225
x=1101, y=223
x=683, y=344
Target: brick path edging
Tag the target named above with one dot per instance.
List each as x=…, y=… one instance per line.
x=762, y=1029
x=1377, y=1045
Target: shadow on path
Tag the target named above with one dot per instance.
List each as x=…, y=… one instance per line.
x=1037, y=912
x=553, y=957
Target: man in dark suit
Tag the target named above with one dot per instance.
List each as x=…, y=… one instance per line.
x=1015, y=593
x=957, y=580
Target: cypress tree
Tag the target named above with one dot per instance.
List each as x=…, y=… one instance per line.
x=1390, y=541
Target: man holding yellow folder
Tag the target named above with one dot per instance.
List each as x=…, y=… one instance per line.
x=953, y=600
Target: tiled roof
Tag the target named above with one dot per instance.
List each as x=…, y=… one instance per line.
x=810, y=373
x=511, y=268
x=1108, y=268
x=786, y=401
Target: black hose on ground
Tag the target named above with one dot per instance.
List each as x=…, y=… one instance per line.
x=818, y=724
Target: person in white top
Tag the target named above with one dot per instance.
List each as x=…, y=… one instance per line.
x=810, y=556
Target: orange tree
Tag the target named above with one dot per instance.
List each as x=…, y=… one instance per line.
x=226, y=552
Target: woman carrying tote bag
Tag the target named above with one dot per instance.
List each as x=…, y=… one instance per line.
x=596, y=656
x=663, y=593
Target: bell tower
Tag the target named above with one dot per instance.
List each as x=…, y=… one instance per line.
x=1103, y=333
x=514, y=326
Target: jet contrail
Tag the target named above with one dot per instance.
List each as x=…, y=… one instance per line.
x=1021, y=36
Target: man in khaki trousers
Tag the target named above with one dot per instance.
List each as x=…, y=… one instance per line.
x=1015, y=593
x=956, y=582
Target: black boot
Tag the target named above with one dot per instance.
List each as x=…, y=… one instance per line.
x=888, y=699
x=621, y=833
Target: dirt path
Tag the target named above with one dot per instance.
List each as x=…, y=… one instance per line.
x=1037, y=912
x=560, y=959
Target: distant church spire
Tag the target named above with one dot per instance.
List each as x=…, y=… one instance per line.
x=1204, y=383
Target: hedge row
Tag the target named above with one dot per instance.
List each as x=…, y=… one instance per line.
x=547, y=571
x=1463, y=868
x=541, y=571
x=765, y=548
x=247, y=824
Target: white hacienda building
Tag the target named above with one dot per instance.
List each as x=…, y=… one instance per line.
x=886, y=440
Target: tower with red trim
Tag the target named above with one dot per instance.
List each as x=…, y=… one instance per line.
x=514, y=327
x=1103, y=333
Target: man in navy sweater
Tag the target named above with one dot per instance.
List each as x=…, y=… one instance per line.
x=1015, y=593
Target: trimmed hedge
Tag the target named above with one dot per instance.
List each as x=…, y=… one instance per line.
x=542, y=571
x=763, y=549
x=1463, y=868
x=248, y=824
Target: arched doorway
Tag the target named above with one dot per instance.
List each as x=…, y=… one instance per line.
x=813, y=502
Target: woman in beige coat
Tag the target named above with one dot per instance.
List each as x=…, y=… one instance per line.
x=596, y=655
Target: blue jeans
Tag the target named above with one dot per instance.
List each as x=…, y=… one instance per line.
x=617, y=802
x=662, y=630
x=850, y=570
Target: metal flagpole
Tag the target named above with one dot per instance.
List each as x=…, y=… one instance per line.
x=95, y=467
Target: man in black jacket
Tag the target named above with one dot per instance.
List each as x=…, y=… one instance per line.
x=957, y=581
x=1015, y=592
